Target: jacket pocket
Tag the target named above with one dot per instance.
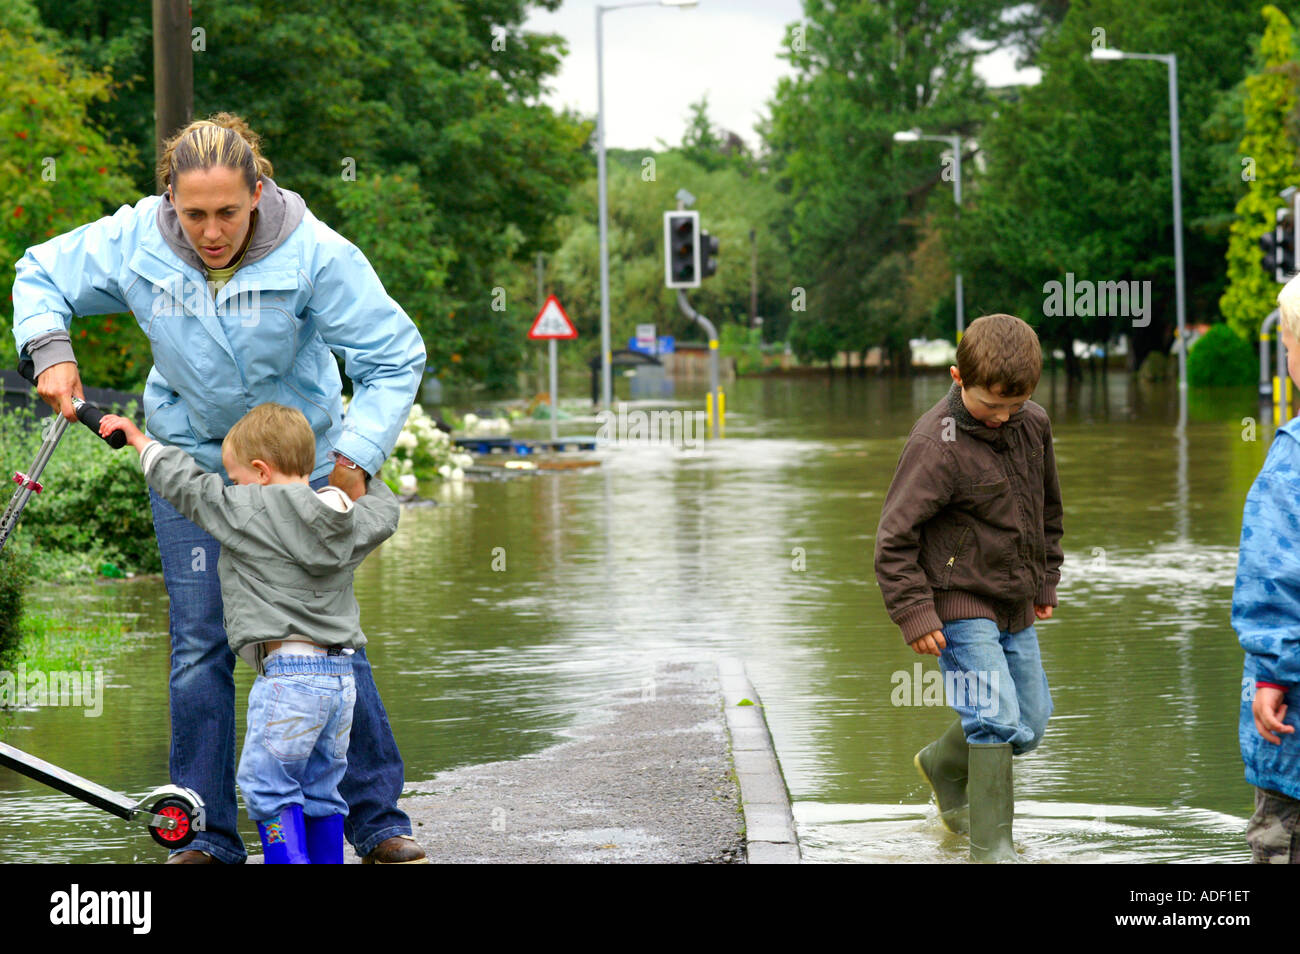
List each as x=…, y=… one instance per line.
x=945, y=577
x=311, y=406
x=294, y=722
x=170, y=423
x=987, y=486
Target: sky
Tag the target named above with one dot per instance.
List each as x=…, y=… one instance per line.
x=659, y=60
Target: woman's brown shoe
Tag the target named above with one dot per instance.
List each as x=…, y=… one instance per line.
x=191, y=857
x=398, y=850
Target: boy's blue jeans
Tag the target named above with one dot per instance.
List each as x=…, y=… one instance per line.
x=295, y=752
x=995, y=680
x=203, y=704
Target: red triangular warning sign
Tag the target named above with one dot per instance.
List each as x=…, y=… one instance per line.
x=552, y=322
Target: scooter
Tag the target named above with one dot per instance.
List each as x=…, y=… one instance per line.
x=174, y=815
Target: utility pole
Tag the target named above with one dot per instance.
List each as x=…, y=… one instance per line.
x=173, y=72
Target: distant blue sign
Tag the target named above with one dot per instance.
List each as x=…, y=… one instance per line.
x=666, y=344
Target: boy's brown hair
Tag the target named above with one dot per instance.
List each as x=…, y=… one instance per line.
x=1000, y=351
x=277, y=434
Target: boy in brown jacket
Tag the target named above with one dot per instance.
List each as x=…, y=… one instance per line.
x=968, y=555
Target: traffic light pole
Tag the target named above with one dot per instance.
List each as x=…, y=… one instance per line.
x=691, y=313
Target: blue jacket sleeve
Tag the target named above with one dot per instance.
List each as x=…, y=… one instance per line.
x=1266, y=596
x=382, y=351
x=72, y=274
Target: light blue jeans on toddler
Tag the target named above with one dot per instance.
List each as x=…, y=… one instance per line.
x=299, y=722
x=995, y=680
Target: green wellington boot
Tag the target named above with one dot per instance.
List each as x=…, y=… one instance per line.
x=943, y=765
x=991, y=803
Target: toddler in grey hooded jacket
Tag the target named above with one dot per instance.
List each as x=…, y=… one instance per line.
x=288, y=552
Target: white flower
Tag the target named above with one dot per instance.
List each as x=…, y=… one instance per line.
x=457, y=474
x=407, y=483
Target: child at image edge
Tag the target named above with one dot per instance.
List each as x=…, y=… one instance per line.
x=968, y=555
x=286, y=563
x=1266, y=616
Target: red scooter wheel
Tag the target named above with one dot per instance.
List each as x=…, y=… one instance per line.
x=183, y=813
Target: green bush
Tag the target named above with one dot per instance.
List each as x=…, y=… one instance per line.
x=1221, y=358
x=94, y=508
x=14, y=569
x=744, y=344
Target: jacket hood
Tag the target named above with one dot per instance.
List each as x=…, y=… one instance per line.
x=321, y=538
x=278, y=213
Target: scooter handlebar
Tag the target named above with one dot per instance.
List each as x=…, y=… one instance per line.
x=90, y=415
x=87, y=414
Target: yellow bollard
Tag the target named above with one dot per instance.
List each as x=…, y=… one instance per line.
x=722, y=414
x=708, y=411
x=1277, y=402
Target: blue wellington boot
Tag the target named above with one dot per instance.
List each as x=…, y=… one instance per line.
x=325, y=839
x=284, y=838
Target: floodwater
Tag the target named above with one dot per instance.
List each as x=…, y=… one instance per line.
x=502, y=617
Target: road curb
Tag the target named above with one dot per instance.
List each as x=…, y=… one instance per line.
x=770, y=836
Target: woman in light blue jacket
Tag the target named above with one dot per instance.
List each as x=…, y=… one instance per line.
x=243, y=294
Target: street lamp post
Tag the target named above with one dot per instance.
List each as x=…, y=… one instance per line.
x=914, y=135
x=1180, y=293
x=605, y=353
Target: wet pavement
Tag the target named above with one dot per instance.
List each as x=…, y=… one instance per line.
x=647, y=778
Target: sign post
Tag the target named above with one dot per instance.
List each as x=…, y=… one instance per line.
x=552, y=324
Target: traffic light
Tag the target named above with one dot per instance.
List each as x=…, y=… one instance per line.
x=708, y=254
x=682, y=249
x=1279, y=245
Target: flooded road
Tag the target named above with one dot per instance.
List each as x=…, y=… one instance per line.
x=502, y=617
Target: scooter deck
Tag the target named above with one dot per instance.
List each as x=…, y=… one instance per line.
x=67, y=782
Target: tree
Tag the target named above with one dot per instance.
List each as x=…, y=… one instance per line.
x=345, y=95
x=1269, y=154
x=58, y=170
x=642, y=186
x=863, y=72
x=1078, y=177
x=709, y=147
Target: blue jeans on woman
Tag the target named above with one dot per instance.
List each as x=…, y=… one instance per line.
x=995, y=681
x=203, y=704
